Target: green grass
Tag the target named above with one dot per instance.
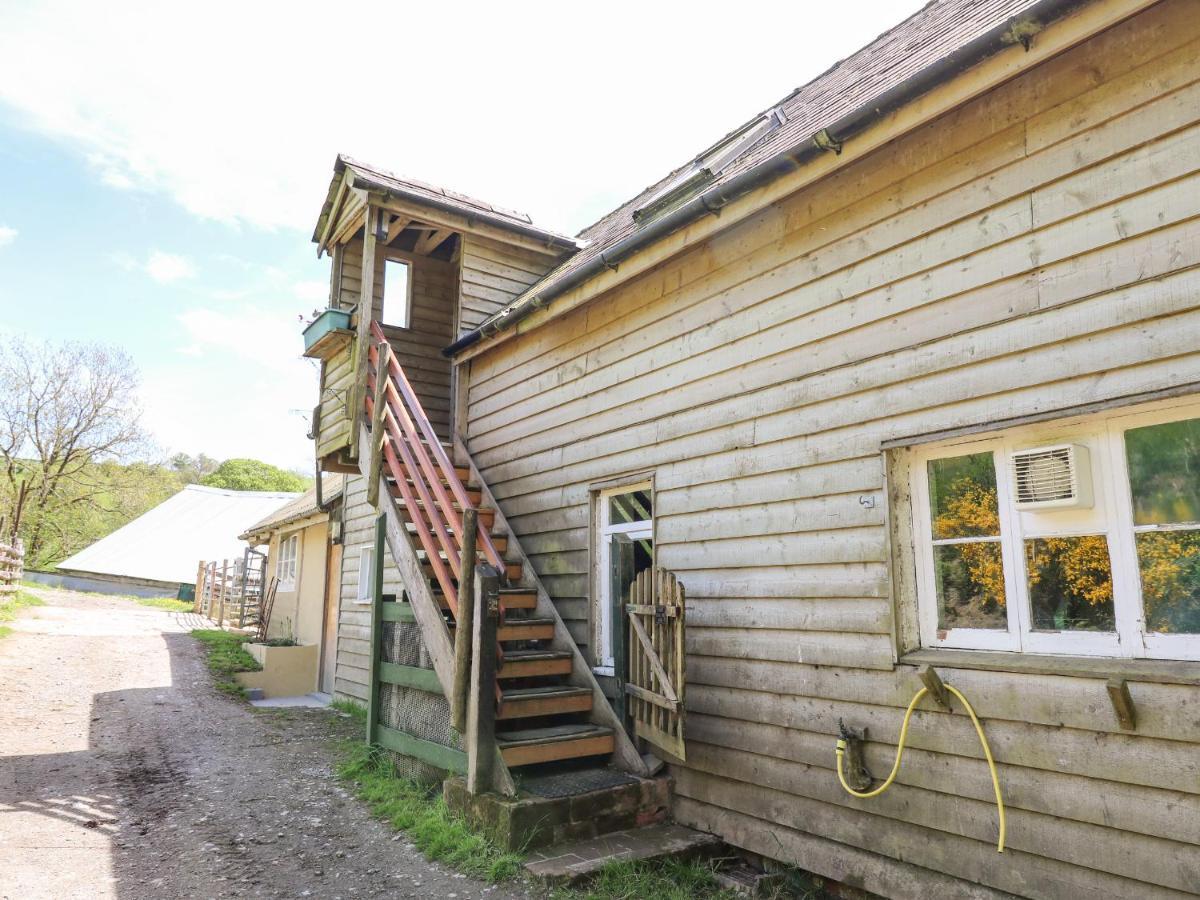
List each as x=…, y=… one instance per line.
x=226, y=657
x=667, y=879
x=422, y=814
x=352, y=708
x=13, y=605
x=168, y=603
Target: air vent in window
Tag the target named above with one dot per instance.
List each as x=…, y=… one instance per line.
x=1058, y=477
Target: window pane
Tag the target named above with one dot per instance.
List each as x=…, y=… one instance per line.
x=1170, y=566
x=636, y=506
x=970, y=585
x=1164, y=472
x=1070, y=583
x=962, y=497
x=395, y=293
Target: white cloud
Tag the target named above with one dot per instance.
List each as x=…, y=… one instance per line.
x=252, y=140
x=167, y=267
x=237, y=386
x=7, y=235
x=311, y=291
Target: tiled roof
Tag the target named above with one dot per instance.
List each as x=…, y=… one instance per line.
x=921, y=41
x=370, y=176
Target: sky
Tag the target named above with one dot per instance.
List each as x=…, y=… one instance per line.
x=162, y=165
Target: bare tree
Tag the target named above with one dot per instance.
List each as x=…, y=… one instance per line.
x=63, y=408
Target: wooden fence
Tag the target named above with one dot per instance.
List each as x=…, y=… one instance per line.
x=12, y=567
x=230, y=591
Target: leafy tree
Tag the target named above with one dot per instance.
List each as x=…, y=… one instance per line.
x=193, y=469
x=253, y=475
x=64, y=409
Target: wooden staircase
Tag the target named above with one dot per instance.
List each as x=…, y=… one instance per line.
x=548, y=705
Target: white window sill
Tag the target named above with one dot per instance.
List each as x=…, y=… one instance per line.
x=604, y=670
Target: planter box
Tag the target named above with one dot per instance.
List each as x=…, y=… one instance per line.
x=327, y=334
x=286, y=671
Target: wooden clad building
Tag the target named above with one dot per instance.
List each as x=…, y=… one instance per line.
x=925, y=393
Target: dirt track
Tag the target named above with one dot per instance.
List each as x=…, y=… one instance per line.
x=124, y=774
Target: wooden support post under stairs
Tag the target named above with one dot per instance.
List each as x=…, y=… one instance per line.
x=466, y=613
x=376, y=627
x=480, y=737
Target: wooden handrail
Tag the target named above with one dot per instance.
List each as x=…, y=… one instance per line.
x=402, y=396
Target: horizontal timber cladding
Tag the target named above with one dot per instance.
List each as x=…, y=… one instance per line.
x=354, y=618
x=1036, y=248
x=493, y=275
x=418, y=348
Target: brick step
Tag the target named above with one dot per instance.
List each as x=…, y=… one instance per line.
x=538, y=745
x=535, y=663
x=523, y=703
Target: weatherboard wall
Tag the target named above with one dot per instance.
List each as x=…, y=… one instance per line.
x=1036, y=248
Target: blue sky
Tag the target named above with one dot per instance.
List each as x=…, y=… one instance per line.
x=160, y=171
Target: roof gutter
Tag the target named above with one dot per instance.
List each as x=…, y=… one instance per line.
x=549, y=238
x=1019, y=29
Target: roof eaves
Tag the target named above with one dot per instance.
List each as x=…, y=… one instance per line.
x=829, y=137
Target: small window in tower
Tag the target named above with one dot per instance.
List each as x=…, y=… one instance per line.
x=397, y=293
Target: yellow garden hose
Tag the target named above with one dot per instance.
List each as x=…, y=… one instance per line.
x=987, y=752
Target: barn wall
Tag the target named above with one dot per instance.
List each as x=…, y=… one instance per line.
x=431, y=323
x=354, y=618
x=1035, y=248
x=493, y=275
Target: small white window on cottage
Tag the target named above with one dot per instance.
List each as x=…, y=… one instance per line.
x=397, y=293
x=366, y=575
x=1080, y=537
x=285, y=565
x=625, y=547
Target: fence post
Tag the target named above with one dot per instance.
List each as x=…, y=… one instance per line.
x=196, y=600
x=464, y=620
x=480, y=738
x=224, y=591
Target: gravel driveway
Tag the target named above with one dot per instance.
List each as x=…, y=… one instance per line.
x=124, y=774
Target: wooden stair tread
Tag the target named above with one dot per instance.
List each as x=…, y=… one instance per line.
x=526, y=655
x=550, y=734
x=544, y=691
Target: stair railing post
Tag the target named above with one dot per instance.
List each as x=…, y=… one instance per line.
x=465, y=623
x=480, y=738
x=383, y=352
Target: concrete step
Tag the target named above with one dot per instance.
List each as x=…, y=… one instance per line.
x=575, y=860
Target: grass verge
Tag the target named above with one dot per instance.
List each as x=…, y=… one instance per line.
x=666, y=879
x=353, y=709
x=226, y=658
x=422, y=814
x=168, y=603
x=13, y=605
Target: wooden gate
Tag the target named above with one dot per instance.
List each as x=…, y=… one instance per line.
x=656, y=660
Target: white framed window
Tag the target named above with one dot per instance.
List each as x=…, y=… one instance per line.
x=285, y=564
x=366, y=575
x=397, y=293
x=1079, y=537
x=624, y=547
